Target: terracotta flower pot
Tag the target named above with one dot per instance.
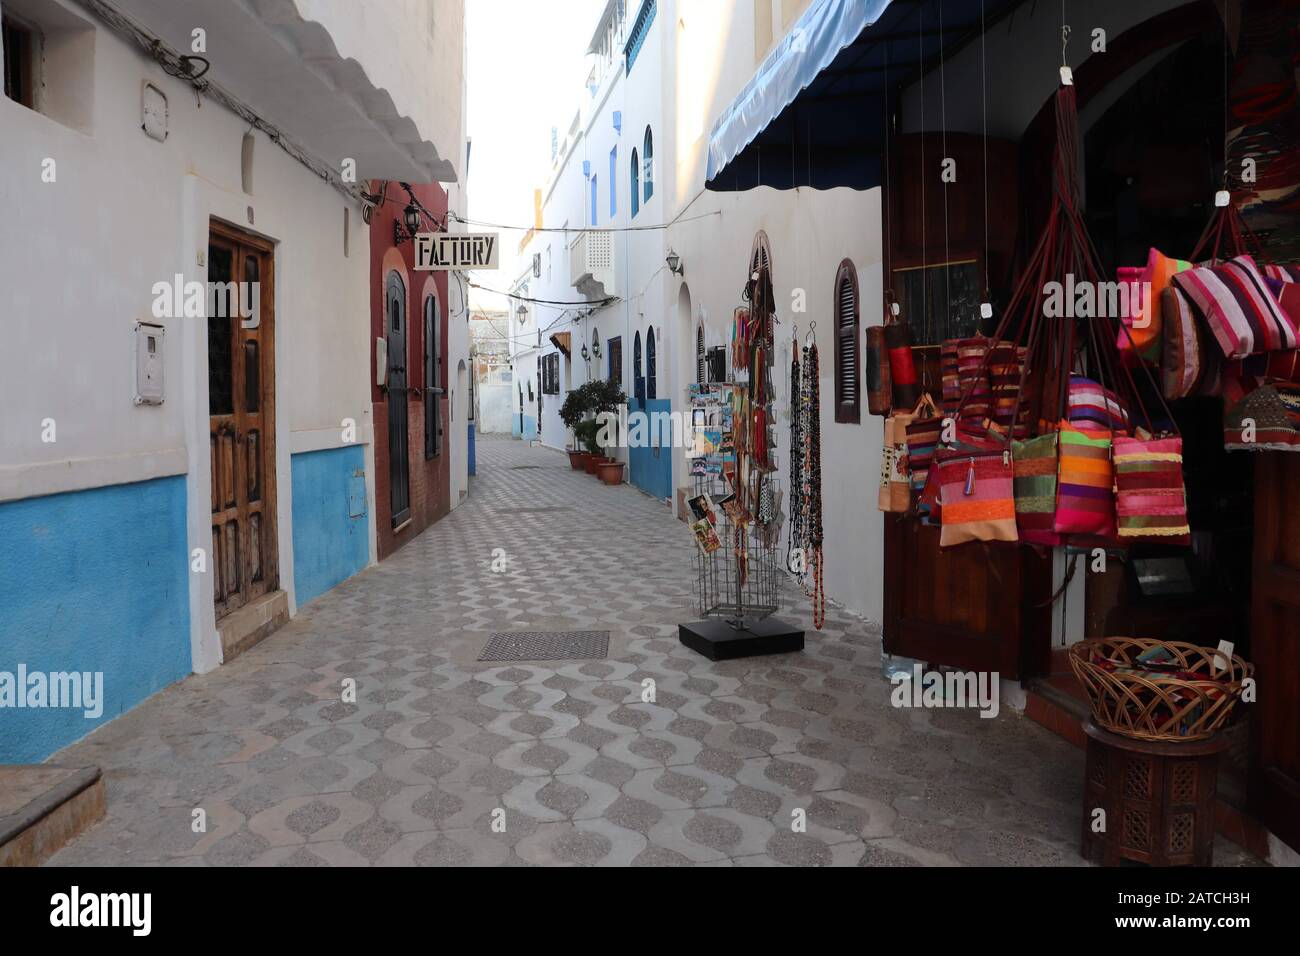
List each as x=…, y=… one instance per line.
x=578, y=460
x=590, y=463
x=611, y=472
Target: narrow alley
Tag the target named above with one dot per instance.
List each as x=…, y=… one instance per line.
x=714, y=771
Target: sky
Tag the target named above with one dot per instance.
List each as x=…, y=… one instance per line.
x=526, y=65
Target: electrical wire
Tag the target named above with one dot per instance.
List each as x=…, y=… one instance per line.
x=181, y=67
x=581, y=229
x=601, y=303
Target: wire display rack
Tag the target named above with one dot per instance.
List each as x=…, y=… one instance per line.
x=740, y=581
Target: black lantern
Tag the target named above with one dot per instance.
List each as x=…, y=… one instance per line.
x=585, y=354
x=674, y=262
x=412, y=219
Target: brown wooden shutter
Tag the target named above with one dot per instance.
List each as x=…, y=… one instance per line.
x=848, y=377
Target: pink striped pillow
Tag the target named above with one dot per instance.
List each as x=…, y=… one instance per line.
x=1243, y=315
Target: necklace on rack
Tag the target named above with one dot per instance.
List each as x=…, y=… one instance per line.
x=796, y=463
x=813, y=482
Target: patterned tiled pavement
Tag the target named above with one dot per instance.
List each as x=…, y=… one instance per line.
x=443, y=760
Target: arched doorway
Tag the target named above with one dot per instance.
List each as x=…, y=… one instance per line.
x=683, y=373
x=399, y=472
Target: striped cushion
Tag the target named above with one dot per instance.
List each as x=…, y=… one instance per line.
x=1144, y=338
x=1034, y=462
x=1150, y=501
x=1238, y=308
x=1085, y=502
x=1183, y=361
x=1090, y=404
x=1289, y=273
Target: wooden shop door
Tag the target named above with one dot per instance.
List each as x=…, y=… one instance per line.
x=1275, y=646
x=241, y=417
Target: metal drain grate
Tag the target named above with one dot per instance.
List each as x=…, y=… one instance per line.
x=546, y=646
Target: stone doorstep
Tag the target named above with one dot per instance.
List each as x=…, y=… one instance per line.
x=45, y=808
x=251, y=624
x=1062, y=713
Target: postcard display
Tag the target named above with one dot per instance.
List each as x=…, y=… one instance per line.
x=735, y=505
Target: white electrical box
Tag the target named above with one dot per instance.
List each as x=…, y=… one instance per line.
x=149, y=363
x=153, y=112
x=381, y=361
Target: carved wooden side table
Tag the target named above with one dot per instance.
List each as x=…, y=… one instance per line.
x=1158, y=798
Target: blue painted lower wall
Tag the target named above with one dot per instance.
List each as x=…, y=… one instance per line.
x=527, y=431
x=331, y=527
x=91, y=581
x=651, y=468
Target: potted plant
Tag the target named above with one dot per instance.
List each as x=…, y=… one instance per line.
x=576, y=407
x=610, y=472
x=581, y=413
x=585, y=433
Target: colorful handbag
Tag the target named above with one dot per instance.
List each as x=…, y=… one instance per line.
x=1006, y=363
x=1085, y=498
x=1035, y=465
x=880, y=394
x=902, y=369
x=922, y=433
x=977, y=495
x=1091, y=406
x=895, y=495
x=1150, y=499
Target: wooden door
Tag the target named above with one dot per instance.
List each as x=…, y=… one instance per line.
x=1275, y=646
x=976, y=606
x=399, y=444
x=241, y=417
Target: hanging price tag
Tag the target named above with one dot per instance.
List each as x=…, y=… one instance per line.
x=1223, y=659
x=1067, y=76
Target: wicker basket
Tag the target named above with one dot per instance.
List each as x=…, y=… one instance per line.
x=1149, y=705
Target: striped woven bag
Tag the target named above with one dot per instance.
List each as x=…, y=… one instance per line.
x=977, y=496
x=1085, y=497
x=1034, y=462
x=1150, y=500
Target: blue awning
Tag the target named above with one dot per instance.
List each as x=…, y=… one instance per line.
x=814, y=112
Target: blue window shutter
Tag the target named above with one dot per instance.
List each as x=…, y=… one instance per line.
x=640, y=30
x=613, y=182
x=595, y=195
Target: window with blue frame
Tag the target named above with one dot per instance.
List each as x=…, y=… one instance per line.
x=638, y=379
x=614, y=347
x=636, y=184
x=651, y=389
x=613, y=180
x=636, y=37
x=594, y=197
x=648, y=163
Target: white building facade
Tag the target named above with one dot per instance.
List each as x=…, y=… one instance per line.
x=176, y=476
x=667, y=71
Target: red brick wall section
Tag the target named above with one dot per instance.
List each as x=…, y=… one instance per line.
x=430, y=480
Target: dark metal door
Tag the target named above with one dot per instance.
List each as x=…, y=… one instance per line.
x=399, y=454
x=1275, y=646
